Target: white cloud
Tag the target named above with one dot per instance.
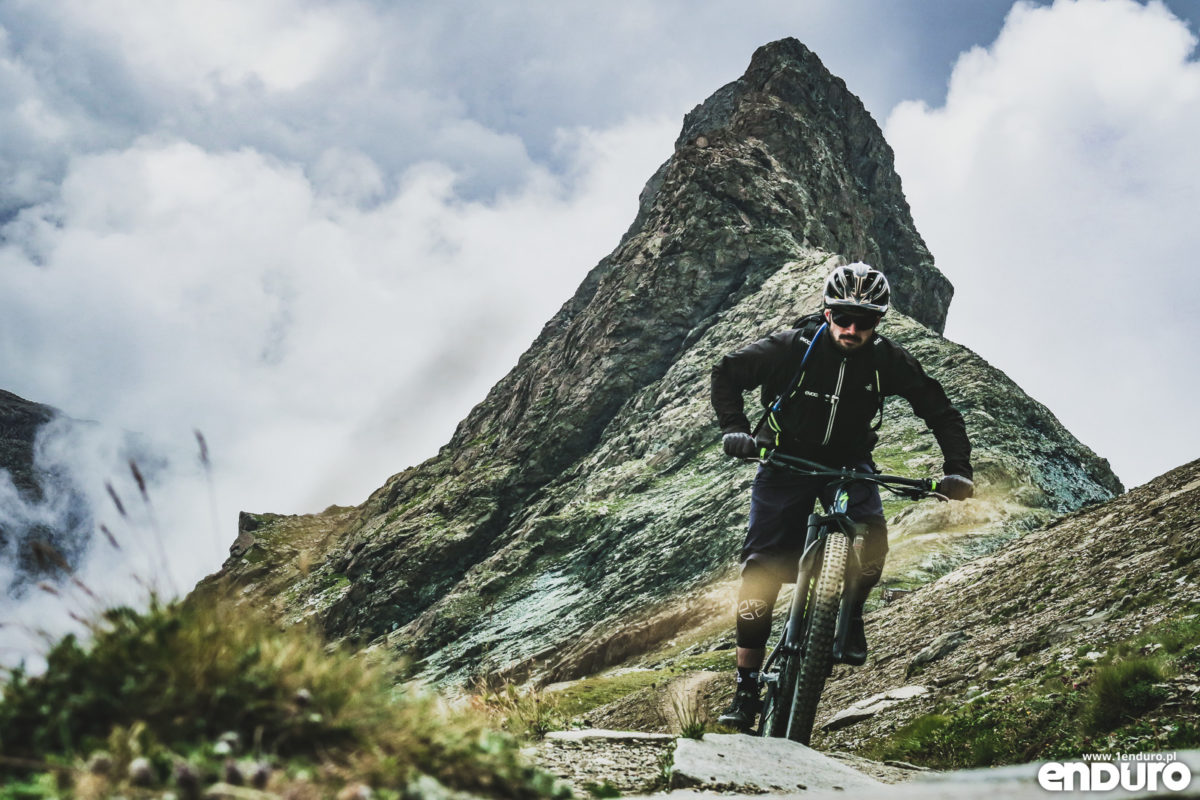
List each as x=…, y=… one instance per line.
x=321, y=343
x=212, y=284
x=1056, y=187
x=480, y=87
x=320, y=231
x=281, y=45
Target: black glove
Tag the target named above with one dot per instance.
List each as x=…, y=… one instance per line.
x=956, y=487
x=739, y=445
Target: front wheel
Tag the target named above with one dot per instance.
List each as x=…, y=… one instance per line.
x=816, y=663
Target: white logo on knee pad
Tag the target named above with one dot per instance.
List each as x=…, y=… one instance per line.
x=752, y=609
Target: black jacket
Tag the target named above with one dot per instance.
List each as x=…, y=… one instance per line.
x=828, y=418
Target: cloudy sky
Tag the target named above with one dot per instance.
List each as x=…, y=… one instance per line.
x=319, y=230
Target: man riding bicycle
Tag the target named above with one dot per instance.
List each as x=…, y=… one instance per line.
x=823, y=385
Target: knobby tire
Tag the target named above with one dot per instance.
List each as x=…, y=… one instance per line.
x=817, y=661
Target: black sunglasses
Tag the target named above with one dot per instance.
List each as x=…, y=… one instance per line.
x=865, y=322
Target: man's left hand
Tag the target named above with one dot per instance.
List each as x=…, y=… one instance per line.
x=956, y=487
x=739, y=445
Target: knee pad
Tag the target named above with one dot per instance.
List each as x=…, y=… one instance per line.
x=756, y=601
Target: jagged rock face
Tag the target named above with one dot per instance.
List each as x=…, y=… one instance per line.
x=588, y=491
x=808, y=157
x=782, y=160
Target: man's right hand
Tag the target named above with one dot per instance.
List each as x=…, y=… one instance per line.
x=739, y=445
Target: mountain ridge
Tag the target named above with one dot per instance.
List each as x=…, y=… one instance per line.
x=587, y=489
x=20, y=420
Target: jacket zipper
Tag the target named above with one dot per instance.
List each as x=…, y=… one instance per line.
x=833, y=402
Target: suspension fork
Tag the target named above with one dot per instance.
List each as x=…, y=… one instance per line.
x=856, y=532
x=819, y=528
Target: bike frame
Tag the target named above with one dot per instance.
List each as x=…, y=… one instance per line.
x=819, y=527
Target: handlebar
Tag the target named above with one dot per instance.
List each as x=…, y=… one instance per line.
x=912, y=488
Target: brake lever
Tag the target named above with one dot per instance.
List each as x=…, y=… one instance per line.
x=918, y=494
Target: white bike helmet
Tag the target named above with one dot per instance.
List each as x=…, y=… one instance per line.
x=858, y=286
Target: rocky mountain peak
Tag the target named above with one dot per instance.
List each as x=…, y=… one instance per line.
x=818, y=131
x=783, y=160
x=588, y=486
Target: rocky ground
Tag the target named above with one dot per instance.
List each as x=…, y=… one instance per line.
x=1010, y=645
x=593, y=761
x=1041, y=613
x=613, y=755
x=588, y=760
x=601, y=763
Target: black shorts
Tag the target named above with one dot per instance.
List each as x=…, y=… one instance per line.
x=780, y=502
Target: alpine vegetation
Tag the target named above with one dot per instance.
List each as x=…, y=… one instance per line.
x=183, y=696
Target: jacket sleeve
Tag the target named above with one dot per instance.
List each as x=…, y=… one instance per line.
x=929, y=402
x=746, y=369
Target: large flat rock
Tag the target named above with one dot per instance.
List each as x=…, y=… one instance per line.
x=1019, y=782
x=750, y=764
x=865, y=709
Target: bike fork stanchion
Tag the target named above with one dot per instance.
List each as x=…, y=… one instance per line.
x=810, y=558
x=849, y=593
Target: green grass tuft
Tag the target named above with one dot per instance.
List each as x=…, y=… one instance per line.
x=602, y=790
x=528, y=713
x=168, y=684
x=922, y=739
x=1122, y=691
x=691, y=715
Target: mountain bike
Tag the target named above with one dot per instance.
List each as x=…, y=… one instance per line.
x=814, y=637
